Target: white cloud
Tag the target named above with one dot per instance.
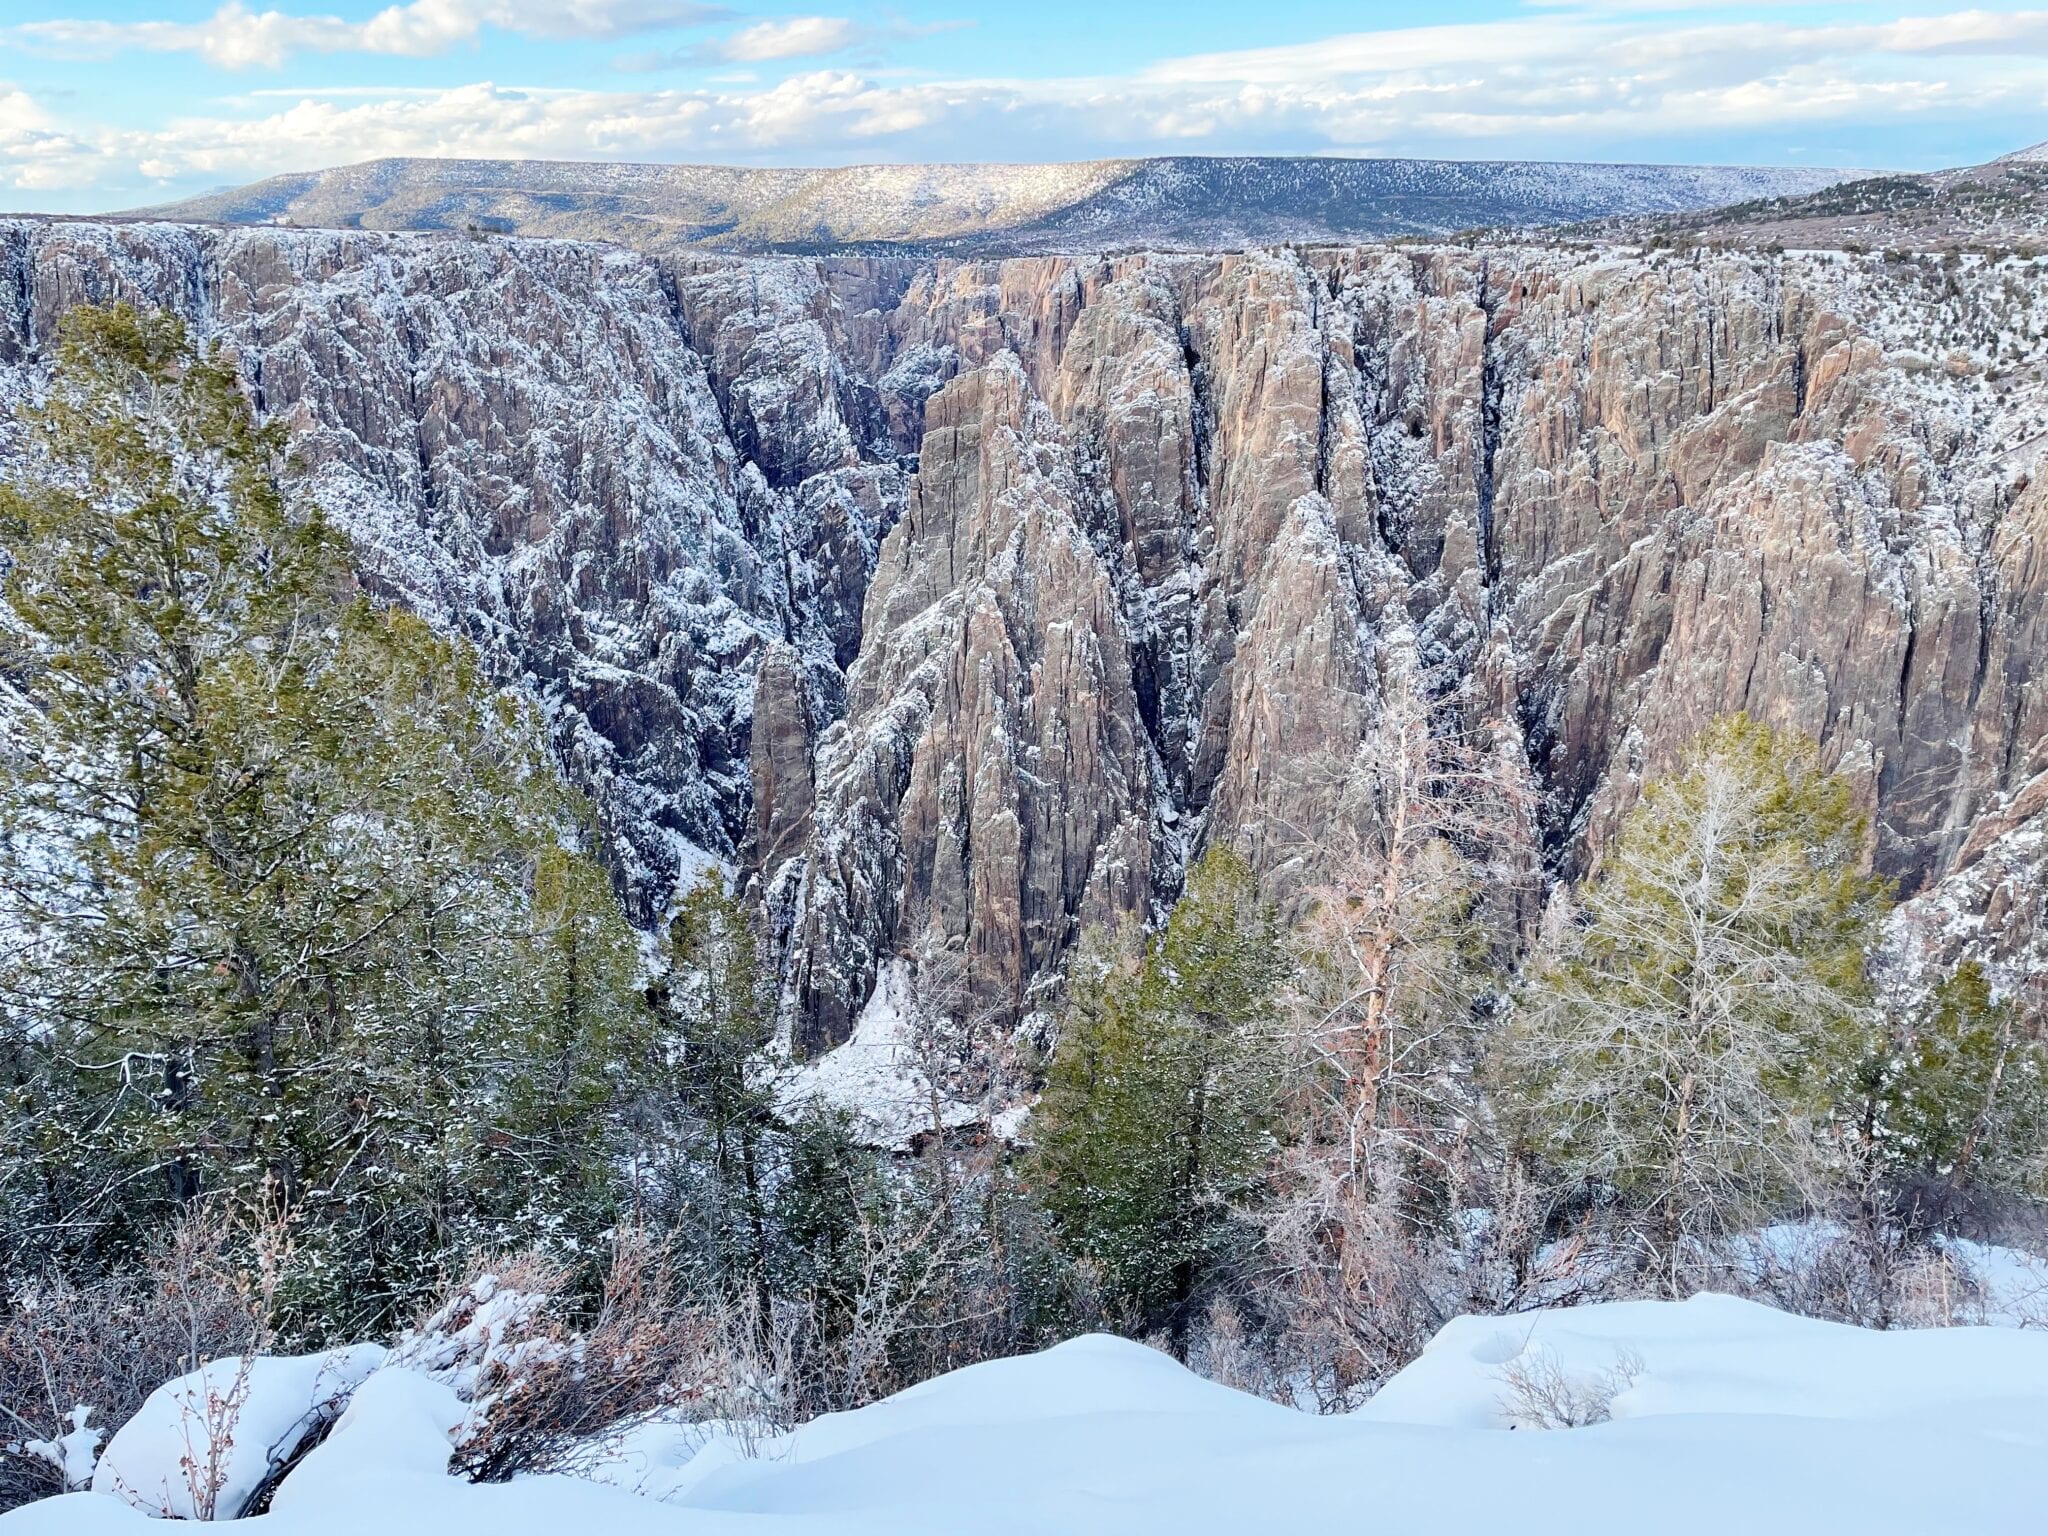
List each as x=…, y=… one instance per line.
x=235, y=37
x=1607, y=40
x=1583, y=83
x=798, y=37
x=1388, y=52
x=35, y=154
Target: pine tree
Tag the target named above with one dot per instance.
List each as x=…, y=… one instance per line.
x=1679, y=1043
x=1157, y=1112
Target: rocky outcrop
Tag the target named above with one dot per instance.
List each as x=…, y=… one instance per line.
x=1622, y=496
x=954, y=605
x=992, y=785
x=625, y=484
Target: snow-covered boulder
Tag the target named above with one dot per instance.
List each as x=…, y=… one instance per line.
x=201, y=1445
x=398, y=1423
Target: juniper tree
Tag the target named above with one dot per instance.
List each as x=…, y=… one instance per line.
x=284, y=882
x=1960, y=1098
x=1157, y=1113
x=713, y=1019
x=1678, y=1042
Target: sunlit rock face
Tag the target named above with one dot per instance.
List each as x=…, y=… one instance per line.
x=957, y=604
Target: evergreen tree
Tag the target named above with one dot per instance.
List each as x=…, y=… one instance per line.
x=1965, y=1098
x=713, y=1019
x=286, y=888
x=1678, y=1045
x=1156, y=1117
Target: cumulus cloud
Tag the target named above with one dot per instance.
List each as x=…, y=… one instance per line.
x=1581, y=83
x=235, y=37
x=35, y=154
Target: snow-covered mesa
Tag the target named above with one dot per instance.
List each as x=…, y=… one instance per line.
x=1722, y=1416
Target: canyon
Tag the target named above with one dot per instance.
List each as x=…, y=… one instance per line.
x=959, y=603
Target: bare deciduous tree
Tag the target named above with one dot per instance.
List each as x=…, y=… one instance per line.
x=1400, y=949
x=1678, y=1041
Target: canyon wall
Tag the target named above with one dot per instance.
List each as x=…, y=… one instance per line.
x=957, y=604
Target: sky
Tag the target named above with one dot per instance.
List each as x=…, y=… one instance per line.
x=108, y=104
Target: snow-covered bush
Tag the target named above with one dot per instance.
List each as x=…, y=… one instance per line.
x=1542, y=1394
x=491, y=1325
x=206, y=1445
x=547, y=1391
x=77, y=1360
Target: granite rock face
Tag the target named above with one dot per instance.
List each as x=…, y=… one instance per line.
x=955, y=605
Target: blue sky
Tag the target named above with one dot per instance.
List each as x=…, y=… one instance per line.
x=111, y=103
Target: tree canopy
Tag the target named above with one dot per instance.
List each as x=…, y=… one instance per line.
x=295, y=905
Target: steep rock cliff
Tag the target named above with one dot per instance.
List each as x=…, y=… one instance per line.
x=955, y=604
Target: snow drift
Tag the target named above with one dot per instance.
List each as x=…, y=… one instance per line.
x=207, y=1440
x=1724, y=1416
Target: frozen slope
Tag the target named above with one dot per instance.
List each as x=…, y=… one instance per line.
x=1739, y=1419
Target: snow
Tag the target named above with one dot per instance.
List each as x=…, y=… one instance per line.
x=75, y=1453
x=1734, y=1417
x=399, y=1423
x=2013, y=1286
x=1674, y=1358
x=486, y=1329
x=1977, y=1282
x=874, y=1075
x=663, y=1459
x=205, y=1442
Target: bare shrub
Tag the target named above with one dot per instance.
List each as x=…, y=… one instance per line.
x=82, y=1357
x=538, y=1389
x=1542, y=1394
x=909, y=1279
x=211, y=1403
x=1225, y=1350
x=1356, y=1289
x=1846, y=1274
x=1871, y=1275
x=494, y=1321
x=548, y=1396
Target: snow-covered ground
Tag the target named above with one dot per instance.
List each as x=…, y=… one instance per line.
x=1726, y=1417
x=874, y=1076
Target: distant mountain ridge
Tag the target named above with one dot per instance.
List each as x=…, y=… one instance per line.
x=1184, y=202
x=1998, y=206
